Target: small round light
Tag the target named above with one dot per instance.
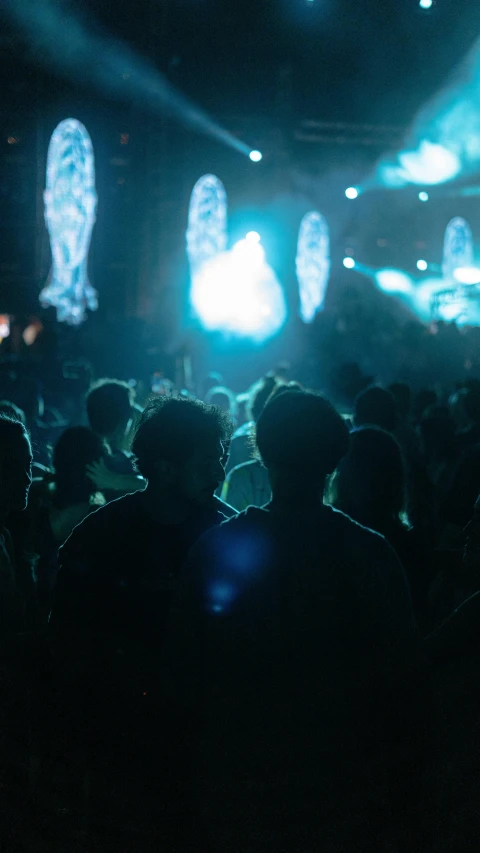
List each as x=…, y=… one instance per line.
x=422, y=265
x=255, y=156
x=423, y=196
x=351, y=192
x=425, y=4
x=349, y=263
x=253, y=237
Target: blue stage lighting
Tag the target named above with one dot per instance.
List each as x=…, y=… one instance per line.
x=253, y=237
x=467, y=275
x=423, y=196
x=70, y=207
x=426, y=4
x=207, y=222
x=349, y=263
x=312, y=263
x=393, y=281
x=351, y=192
x=422, y=265
x=255, y=156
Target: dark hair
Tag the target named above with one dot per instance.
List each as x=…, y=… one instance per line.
x=109, y=403
x=376, y=406
x=302, y=432
x=10, y=430
x=11, y=410
x=260, y=394
x=371, y=477
x=403, y=397
x=471, y=402
x=171, y=428
x=76, y=448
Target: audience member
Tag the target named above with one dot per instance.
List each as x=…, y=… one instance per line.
x=376, y=407
x=292, y=660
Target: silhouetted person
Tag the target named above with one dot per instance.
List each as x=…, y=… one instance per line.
x=376, y=407
x=110, y=412
x=290, y=656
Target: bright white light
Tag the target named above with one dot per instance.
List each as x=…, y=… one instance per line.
x=393, y=281
x=422, y=265
x=349, y=263
x=4, y=326
x=351, y=192
x=255, y=156
x=238, y=293
x=429, y=164
x=253, y=237
x=70, y=206
x=467, y=275
x=426, y=4
x=312, y=263
x=423, y=196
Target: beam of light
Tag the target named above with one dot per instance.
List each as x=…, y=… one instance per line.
x=467, y=275
x=60, y=41
x=207, y=222
x=255, y=156
x=238, y=293
x=444, y=139
x=312, y=263
x=457, y=248
x=351, y=192
x=349, y=263
x=423, y=196
x=70, y=208
x=422, y=265
x=393, y=281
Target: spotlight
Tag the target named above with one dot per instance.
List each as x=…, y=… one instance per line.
x=351, y=192
x=349, y=263
x=253, y=237
x=425, y=4
x=467, y=275
x=422, y=265
x=423, y=196
x=255, y=156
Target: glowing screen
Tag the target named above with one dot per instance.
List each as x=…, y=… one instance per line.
x=312, y=263
x=457, y=247
x=70, y=206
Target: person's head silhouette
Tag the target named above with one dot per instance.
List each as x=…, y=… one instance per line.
x=15, y=466
x=375, y=406
x=109, y=405
x=179, y=445
x=301, y=439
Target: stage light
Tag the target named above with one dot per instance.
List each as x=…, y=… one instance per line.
x=70, y=207
x=349, y=263
x=426, y=4
x=351, y=192
x=312, y=263
x=255, y=156
x=429, y=164
x=457, y=248
x=423, y=196
x=253, y=237
x=238, y=293
x=393, y=281
x=422, y=265
x=467, y=275
x=207, y=222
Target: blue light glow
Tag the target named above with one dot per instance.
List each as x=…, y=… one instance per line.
x=253, y=237
x=255, y=156
x=349, y=263
x=457, y=248
x=467, y=275
x=429, y=164
x=238, y=293
x=423, y=196
x=312, y=263
x=351, y=192
x=422, y=265
x=207, y=222
x=426, y=4
x=70, y=207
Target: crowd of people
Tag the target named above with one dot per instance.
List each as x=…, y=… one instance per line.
x=241, y=622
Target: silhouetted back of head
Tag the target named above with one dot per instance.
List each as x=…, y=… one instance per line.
x=172, y=428
x=109, y=406
x=376, y=406
x=370, y=480
x=403, y=397
x=301, y=434
x=223, y=398
x=76, y=448
x=15, y=413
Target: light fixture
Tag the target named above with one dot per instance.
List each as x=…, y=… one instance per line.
x=349, y=263
x=255, y=156
x=351, y=192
